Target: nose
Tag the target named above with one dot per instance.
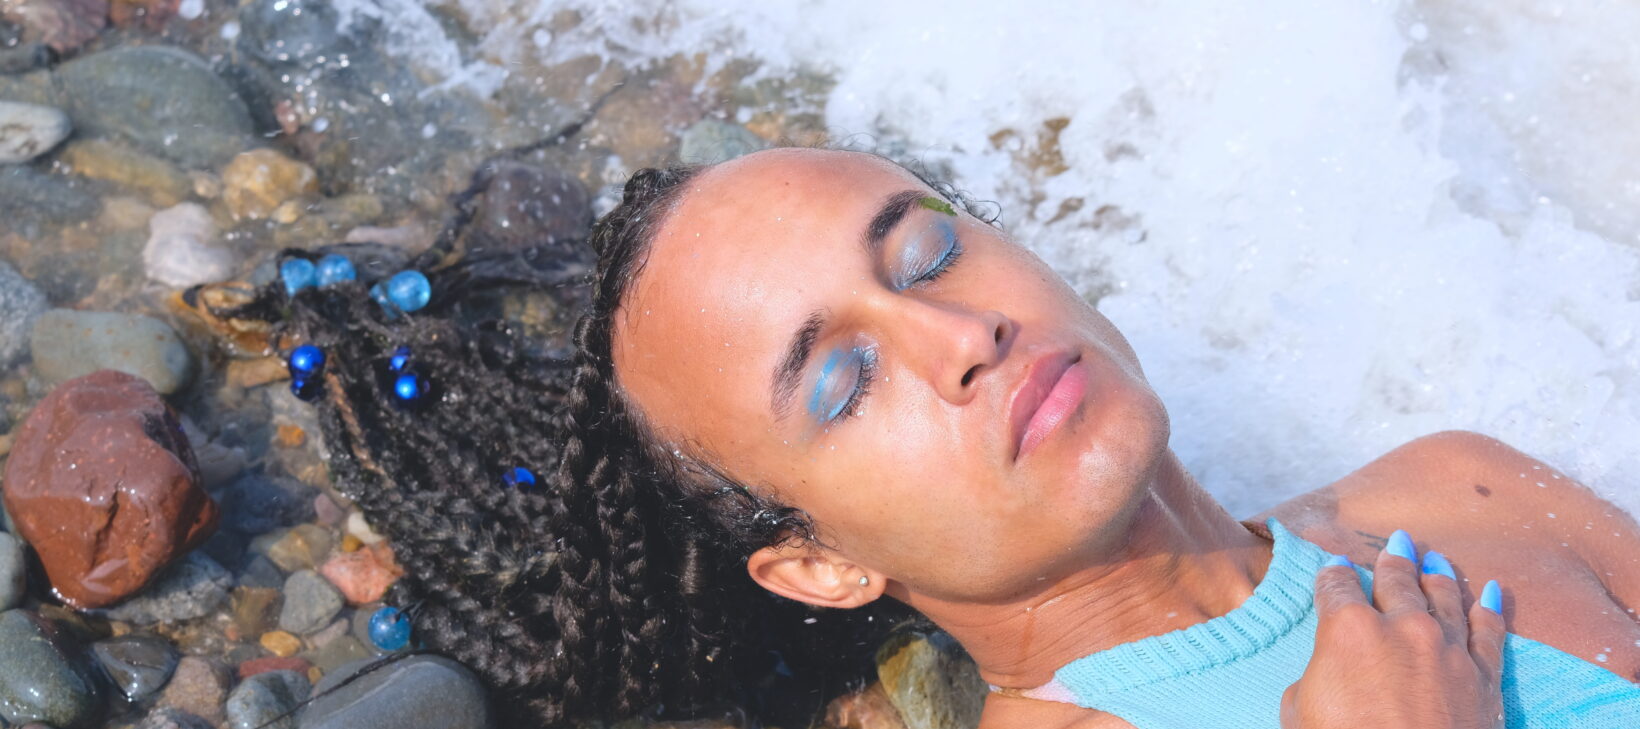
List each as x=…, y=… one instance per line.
x=950, y=346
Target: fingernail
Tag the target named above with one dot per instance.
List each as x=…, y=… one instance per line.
x=1435, y=563
x=1400, y=545
x=1339, y=561
x=1492, y=597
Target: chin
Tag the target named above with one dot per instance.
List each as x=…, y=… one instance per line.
x=1113, y=449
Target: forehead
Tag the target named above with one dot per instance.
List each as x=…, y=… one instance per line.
x=752, y=248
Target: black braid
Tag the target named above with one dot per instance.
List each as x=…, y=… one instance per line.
x=618, y=586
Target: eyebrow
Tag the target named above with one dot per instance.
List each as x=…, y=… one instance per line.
x=790, y=369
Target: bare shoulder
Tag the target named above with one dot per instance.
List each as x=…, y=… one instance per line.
x=1009, y=712
x=1463, y=488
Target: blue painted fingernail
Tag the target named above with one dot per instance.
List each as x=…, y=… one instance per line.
x=1435, y=563
x=1339, y=561
x=1492, y=597
x=1400, y=545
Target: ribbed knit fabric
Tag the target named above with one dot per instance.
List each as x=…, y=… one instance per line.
x=1230, y=672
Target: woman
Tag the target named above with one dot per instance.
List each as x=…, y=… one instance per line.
x=807, y=368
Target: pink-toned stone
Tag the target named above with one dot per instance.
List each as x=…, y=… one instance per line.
x=102, y=483
x=199, y=687
x=327, y=511
x=65, y=25
x=363, y=576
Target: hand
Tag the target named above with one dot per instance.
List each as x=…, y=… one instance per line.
x=1408, y=659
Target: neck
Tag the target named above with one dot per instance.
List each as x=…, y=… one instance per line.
x=1183, y=560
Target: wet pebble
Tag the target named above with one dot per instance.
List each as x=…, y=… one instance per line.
x=255, y=503
x=255, y=609
x=264, y=697
x=710, y=141
x=363, y=576
x=13, y=572
x=931, y=681
x=31, y=201
x=21, y=302
x=139, y=665
x=340, y=652
x=68, y=344
x=256, y=183
x=62, y=24
x=43, y=675
x=527, y=205
x=191, y=588
x=417, y=691
x=25, y=57
x=310, y=603
x=156, y=180
x=302, y=547
x=259, y=572
x=165, y=100
x=198, y=687
x=182, y=248
x=29, y=130
x=290, y=32
x=265, y=664
x=169, y=718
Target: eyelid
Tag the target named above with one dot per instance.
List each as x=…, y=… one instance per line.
x=916, y=262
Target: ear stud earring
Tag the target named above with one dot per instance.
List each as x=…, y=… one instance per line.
x=864, y=580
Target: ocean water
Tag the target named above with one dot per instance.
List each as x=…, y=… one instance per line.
x=1327, y=228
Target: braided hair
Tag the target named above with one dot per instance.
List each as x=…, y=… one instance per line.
x=617, y=586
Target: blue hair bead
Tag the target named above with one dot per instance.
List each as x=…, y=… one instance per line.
x=390, y=629
x=297, y=273
x=334, y=269
x=306, y=361
x=400, y=359
x=378, y=293
x=519, y=476
x=409, y=387
x=304, y=389
x=409, y=290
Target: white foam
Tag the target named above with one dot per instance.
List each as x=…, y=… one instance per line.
x=1327, y=227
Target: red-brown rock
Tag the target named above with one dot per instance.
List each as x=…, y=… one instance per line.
x=102, y=483
x=62, y=24
x=363, y=576
x=272, y=663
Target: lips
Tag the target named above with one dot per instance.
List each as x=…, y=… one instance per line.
x=1052, y=390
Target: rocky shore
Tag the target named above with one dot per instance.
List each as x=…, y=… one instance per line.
x=173, y=553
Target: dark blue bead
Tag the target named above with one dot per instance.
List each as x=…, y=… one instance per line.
x=519, y=476
x=399, y=360
x=409, y=290
x=304, y=389
x=389, y=629
x=306, y=361
x=335, y=268
x=409, y=387
x=297, y=273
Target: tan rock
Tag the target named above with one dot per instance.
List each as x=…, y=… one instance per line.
x=256, y=372
x=255, y=183
x=931, y=681
x=158, y=181
x=280, y=643
x=304, y=547
x=255, y=609
x=868, y=708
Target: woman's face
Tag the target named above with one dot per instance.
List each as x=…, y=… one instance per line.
x=951, y=414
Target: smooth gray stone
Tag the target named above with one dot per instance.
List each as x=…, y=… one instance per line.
x=30, y=130
x=311, y=602
x=67, y=344
x=419, y=691
x=710, y=141
x=162, y=99
x=21, y=302
x=169, y=718
x=189, y=588
x=255, y=703
x=138, y=664
x=290, y=32
x=43, y=675
x=13, y=571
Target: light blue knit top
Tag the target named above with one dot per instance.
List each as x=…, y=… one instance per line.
x=1230, y=672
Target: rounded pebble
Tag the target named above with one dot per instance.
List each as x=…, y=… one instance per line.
x=13, y=572
x=389, y=630
x=334, y=269
x=280, y=643
x=310, y=603
x=139, y=664
x=409, y=290
x=298, y=274
x=266, y=700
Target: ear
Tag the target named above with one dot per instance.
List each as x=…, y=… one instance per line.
x=815, y=575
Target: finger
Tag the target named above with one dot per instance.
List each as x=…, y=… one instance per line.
x=1337, y=585
x=1394, y=577
x=1440, y=585
x=1487, y=631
